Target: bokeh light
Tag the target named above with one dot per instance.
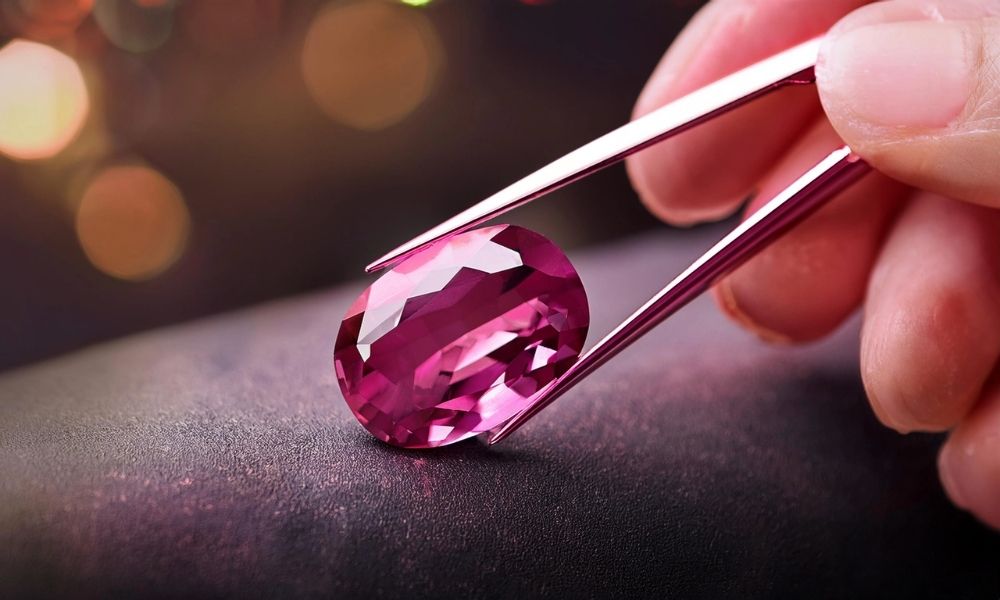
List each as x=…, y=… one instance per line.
x=43, y=102
x=132, y=222
x=136, y=26
x=369, y=64
x=44, y=20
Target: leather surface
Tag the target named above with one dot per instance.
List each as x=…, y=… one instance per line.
x=217, y=458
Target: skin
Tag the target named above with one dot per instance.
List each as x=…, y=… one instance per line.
x=913, y=86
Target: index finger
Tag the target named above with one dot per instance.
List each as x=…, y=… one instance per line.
x=707, y=172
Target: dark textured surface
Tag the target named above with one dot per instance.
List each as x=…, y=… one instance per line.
x=218, y=459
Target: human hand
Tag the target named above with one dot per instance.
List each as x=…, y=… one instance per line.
x=913, y=86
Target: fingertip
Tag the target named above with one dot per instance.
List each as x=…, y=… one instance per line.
x=730, y=305
x=931, y=332
x=969, y=462
x=873, y=370
x=804, y=285
x=673, y=194
x=907, y=87
x=920, y=365
x=707, y=173
x=949, y=469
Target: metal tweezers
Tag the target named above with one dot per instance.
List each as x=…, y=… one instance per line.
x=814, y=188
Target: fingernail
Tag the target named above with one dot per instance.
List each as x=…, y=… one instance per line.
x=949, y=469
x=903, y=74
x=724, y=295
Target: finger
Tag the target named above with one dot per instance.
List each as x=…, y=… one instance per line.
x=912, y=87
x=931, y=334
x=805, y=284
x=969, y=462
x=708, y=171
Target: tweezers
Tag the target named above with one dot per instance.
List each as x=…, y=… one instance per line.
x=811, y=190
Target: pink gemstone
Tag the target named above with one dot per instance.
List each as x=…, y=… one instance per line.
x=456, y=339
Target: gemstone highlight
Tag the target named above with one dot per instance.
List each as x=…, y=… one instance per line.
x=455, y=340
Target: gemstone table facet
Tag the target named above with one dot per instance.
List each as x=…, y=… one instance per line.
x=454, y=341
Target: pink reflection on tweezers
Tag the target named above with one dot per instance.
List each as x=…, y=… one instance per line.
x=836, y=172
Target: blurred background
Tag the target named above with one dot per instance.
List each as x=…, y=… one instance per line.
x=162, y=160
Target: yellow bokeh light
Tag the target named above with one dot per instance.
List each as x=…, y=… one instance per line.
x=43, y=102
x=132, y=222
x=369, y=64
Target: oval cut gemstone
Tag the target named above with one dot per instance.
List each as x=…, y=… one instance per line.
x=454, y=340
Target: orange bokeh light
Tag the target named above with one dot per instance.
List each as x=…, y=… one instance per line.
x=44, y=20
x=132, y=222
x=369, y=64
x=44, y=101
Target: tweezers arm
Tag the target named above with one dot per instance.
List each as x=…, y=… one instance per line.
x=793, y=66
x=824, y=181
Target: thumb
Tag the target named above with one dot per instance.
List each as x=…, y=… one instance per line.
x=914, y=88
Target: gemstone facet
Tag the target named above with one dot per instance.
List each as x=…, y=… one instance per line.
x=454, y=341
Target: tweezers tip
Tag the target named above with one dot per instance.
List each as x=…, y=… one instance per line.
x=506, y=429
x=384, y=262
x=406, y=250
